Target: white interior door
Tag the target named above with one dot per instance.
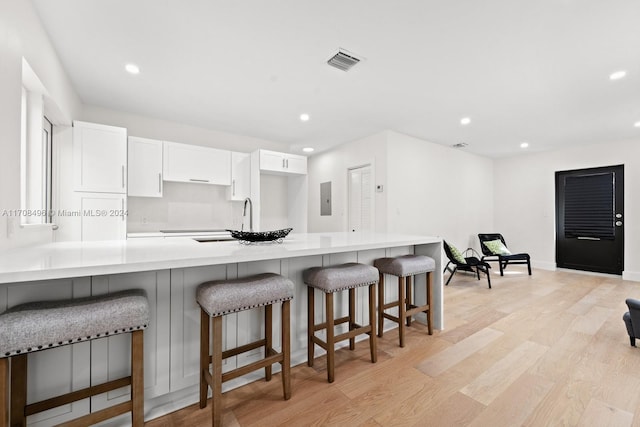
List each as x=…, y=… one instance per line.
x=360, y=199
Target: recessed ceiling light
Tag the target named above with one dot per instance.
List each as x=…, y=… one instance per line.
x=524, y=145
x=617, y=75
x=304, y=117
x=132, y=69
x=308, y=149
x=637, y=124
x=465, y=121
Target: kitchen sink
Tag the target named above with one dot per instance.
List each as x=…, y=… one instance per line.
x=213, y=239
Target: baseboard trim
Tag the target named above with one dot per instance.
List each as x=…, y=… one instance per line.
x=633, y=276
x=544, y=265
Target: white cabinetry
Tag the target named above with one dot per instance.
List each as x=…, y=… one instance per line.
x=193, y=163
x=240, y=176
x=282, y=163
x=144, y=167
x=103, y=216
x=100, y=158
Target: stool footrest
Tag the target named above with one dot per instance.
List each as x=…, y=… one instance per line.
x=96, y=417
x=416, y=310
x=74, y=396
x=243, y=349
x=353, y=333
x=321, y=326
x=390, y=317
x=243, y=370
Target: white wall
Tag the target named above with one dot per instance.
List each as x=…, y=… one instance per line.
x=332, y=166
x=21, y=36
x=438, y=191
x=525, y=198
x=428, y=188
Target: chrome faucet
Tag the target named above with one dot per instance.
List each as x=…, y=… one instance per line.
x=244, y=213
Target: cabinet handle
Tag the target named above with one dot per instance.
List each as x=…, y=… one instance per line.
x=198, y=180
x=122, y=176
x=287, y=163
x=283, y=163
x=122, y=211
x=233, y=187
x=159, y=182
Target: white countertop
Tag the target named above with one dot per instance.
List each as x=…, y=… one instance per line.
x=77, y=259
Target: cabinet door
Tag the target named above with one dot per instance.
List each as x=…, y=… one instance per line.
x=193, y=163
x=271, y=161
x=100, y=158
x=240, y=176
x=103, y=216
x=144, y=167
x=282, y=163
x=296, y=164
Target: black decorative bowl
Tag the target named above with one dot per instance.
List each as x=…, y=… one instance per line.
x=249, y=237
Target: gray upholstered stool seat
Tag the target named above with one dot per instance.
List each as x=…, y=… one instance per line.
x=37, y=326
x=404, y=267
x=330, y=280
x=40, y=325
x=220, y=297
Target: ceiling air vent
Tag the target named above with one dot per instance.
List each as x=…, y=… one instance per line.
x=460, y=145
x=343, y=60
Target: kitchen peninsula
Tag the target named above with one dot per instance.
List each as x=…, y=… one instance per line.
x=170, y=270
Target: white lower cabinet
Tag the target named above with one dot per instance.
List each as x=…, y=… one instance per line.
x=110, y=357
x=58, y=370
x=185, y=324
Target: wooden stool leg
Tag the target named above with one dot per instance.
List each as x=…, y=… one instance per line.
x=216, y=366
x=381, y=306
x=330, y=337
x=137, y=378
x=401, y=309
x=408, y=298
x=373, y=347
x=352, y=316
x=4, y=392
x=268, y=336
x=204, y=357
x=310, y=325
x=18, y=389
x=429, y=302
x=286, y=349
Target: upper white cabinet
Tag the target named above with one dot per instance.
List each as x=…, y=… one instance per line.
x=282, y=163
x=144, y=167
x=193, y=163
x=100, y=158
x=240, y=176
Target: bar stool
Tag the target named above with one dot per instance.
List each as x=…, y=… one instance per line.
x=405, y=266
x=38, y=326
x=220, y=297
x=330, y=280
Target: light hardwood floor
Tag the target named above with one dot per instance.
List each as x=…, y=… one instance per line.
x=550, y=349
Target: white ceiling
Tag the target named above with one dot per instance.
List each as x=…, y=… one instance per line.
x=522, y=70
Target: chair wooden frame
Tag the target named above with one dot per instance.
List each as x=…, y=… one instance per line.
x=502, y=260
x=15, y=367
x=407, y=308
x=330, y=323
x=215, y=377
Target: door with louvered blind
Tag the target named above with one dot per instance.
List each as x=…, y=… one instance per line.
x=590, y=219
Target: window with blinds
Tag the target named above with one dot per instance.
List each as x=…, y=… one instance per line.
x=589, y=206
